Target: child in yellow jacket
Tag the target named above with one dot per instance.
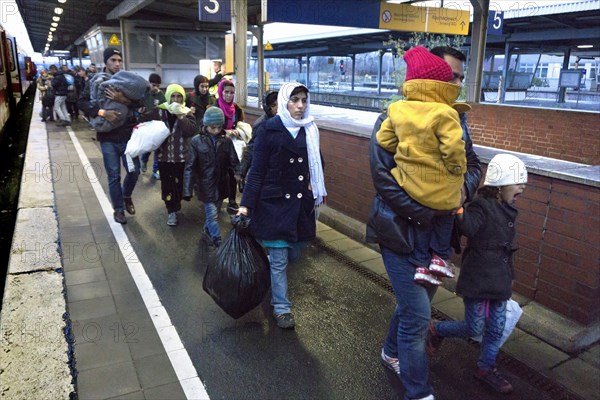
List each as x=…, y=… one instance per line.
x=425, y=134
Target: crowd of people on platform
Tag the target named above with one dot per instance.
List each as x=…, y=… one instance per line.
x=424, y=169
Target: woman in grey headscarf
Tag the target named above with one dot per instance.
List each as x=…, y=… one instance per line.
x=284, y=189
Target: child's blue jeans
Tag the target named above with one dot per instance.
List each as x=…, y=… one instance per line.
x=481, y=316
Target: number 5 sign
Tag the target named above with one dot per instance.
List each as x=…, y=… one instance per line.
x=214, y=10
x=495, y=22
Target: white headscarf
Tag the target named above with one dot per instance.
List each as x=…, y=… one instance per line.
x=317, y=179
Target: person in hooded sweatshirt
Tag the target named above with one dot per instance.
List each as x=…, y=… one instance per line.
x=173, y=153
x=270, y=109
x=200, y=99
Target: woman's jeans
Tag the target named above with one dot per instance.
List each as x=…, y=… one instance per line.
x=211, y=219
x=113, y=154
x=408, y=328
x=279, y=258
x=481, y=316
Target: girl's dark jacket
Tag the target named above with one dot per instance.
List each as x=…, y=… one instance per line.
x=486, y=270
x=207, y=167
x=277, y=192
x=393, y=212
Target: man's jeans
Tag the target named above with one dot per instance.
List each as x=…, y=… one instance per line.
x=60, y=106
x=279, y=258
x=113, y=154
x=408, y=328
x=211, y=219
x=481, y=316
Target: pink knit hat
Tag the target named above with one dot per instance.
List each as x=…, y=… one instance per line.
x=421, y=64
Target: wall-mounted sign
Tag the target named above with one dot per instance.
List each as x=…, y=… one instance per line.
x=114, y=40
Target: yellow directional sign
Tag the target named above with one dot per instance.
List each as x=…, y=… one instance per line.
x=114, y=40
x=403, y=17
x=268, y=46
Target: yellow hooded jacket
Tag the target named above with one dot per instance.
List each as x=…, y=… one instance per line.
x=425, y=134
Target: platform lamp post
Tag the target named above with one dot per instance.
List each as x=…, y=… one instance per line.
x=239, y=26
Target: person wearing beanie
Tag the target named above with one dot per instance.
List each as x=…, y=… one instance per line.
x=393, y=222
x=153, y=97
x=200, y=99
x=173, y=153
x=486, y=273
x=211, y=156
x=114, y=141
x=425, y=134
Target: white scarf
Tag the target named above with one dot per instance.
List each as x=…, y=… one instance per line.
x=317, y=179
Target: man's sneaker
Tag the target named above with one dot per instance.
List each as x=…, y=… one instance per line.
x=285, y=320
x=232, y=207
x=423, y=276
x=172, y=219
x=119, y=217
x=434, y=341
x=494, y=379
x=144, y=167
x=217, y=241
x=129, y=205
x=390, y=363
x=156, y=175
x=440, y=267
x=430, y=397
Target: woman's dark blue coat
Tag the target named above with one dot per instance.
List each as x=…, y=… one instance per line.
x=277, y=192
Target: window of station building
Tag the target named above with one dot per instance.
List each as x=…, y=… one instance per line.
x=142, y=47
x=182, y=48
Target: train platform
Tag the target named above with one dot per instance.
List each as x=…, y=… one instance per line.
x=97, y=310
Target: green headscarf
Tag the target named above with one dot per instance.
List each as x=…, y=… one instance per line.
x=179, y=109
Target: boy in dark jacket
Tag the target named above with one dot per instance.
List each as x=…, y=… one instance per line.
x=211, y=156
x=486, y=275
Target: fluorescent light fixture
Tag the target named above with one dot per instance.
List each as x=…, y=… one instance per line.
x=54, y=24
x=52, y=29
x=58, y=10
x=585, y=46
x=62, y=1
x=55, y=18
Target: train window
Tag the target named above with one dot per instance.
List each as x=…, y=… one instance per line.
x=12, y=63
x=1, y=58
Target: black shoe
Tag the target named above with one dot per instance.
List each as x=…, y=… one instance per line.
x=129, y=205
x=217, y=241
x=120, y=217
x=232, y=207
x=494, y=379
x=285, y=321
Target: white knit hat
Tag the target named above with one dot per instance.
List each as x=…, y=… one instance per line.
x=505, y=169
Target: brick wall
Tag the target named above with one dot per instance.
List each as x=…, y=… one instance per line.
x=558, y=262
x=566, y=135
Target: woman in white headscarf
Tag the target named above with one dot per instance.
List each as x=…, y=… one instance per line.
x=284, y=189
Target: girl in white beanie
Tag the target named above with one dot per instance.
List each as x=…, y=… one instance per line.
x=486, y=273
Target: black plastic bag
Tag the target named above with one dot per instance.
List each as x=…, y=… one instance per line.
x=240, y=278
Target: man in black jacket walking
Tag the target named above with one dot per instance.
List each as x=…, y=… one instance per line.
x=114, y=142
x=392, y=217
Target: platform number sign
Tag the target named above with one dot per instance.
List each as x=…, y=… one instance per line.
x=214, y=10
x=495, y=22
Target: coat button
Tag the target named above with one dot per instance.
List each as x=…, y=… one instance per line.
x=300, y=178
x=299, y=195
x=300, y=159
x=505, y=260
x=510, y=224
x=292, y=160
x=287, y=196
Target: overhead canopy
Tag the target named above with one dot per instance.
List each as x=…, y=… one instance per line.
x=79, y=16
